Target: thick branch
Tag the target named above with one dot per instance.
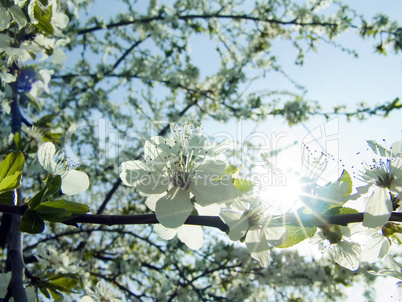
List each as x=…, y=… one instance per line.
x=16, y=286
x=210, y=221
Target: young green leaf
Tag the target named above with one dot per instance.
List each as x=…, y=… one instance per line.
x=243, y=185
x=345, y=177
x=43, y=20
x=63, y=283
x=11, y=171
x=297, y=235
x=230, y=170
x=340, y=211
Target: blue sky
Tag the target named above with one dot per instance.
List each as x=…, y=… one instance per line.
x=331, y=77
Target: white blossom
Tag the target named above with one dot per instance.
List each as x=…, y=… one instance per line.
x=59, y=262
x=102, y=292
x=376, y=247
x=58, y=19
x=190, y=235
x=246, y=219
x=185, y=166
x=342, y=249
x=72, y=181
x=385, y=176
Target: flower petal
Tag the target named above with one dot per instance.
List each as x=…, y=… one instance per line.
x=137, y=174
x=275, y=235
x=5, y=18
x=258, y=247
x=396, y=186
x=211, y=210
x=346, y=254
x=165, y=233
x=207, y=191
x=153, y=199
x=237, y=222
x=74, y=182
x=173, y=209
x=377, y=247
x=46, y=154
x=191, y=235
x=378, y=209
x=210, y=168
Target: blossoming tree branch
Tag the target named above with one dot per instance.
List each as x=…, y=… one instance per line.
x=171, y=220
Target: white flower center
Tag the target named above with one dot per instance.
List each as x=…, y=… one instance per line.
x=181, y=179
x=253, y=217
x=382, y=173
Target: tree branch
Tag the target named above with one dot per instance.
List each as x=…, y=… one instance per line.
x=210, y=221
x=208, y=16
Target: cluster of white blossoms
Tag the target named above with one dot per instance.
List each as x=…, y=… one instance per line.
x=383, y=185
x=187, y=175
x=182, y=174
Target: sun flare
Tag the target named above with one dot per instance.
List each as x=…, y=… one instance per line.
x=283, y=195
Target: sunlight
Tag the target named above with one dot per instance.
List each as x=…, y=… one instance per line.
x=283, y=194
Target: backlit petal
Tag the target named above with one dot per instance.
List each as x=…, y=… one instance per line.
x=191, y=235
x=346, y=254
x=173, y=209
x=74, y=182
x=258, y=247
x=207, y=191
x=46, y=154
x=378, y=209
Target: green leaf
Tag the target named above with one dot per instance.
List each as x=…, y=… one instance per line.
x=43, y=19
x=55, y=294
x=297, y=235
x=27, y=98
x=230, y=170
x=63, y=283
x=13, y=163
x=7, y=197
x=243, y=185
x=74, y=208
x=11, y=171
x=10, y=182
x=345, y=177
x=44, y=291
x=31, y=223
x=52, y=214
x=340, y=211
x=60, y=210
x=52, y=187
